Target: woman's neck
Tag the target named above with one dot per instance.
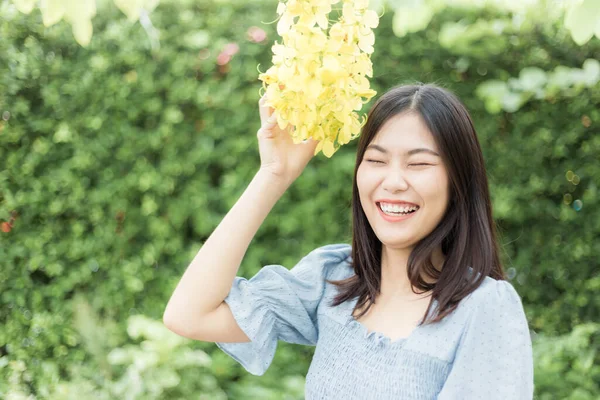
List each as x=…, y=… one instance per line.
x=394, y=277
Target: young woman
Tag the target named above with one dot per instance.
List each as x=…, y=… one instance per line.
x=417, y=307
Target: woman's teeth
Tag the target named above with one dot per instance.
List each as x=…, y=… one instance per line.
x=396, y=209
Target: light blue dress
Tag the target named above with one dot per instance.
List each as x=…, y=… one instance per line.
x=481, y=351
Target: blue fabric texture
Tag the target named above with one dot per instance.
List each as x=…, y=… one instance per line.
x=482, y=350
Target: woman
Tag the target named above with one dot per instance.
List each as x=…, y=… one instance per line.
x=416, y=308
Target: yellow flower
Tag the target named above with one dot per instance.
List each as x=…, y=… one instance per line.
x=319, y=74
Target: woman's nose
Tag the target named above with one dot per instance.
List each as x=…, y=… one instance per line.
x=395, y=181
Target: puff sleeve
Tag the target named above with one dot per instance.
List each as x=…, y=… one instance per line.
x=494, y=359
x=279, y=304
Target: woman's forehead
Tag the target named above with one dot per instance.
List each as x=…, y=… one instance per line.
x=402, y=133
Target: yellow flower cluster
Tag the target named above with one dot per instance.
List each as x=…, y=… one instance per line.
x=319, y=74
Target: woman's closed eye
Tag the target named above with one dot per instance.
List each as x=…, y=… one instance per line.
x=413, y=164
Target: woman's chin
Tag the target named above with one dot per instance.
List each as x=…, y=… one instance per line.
x=397, y=242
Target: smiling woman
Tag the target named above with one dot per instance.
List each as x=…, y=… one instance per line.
x=415, y=308
x=401, y=169
x=419, y=149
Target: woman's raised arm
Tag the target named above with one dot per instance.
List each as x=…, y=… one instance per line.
x=208, y=279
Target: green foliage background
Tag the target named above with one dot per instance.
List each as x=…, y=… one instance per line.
x=117, y=162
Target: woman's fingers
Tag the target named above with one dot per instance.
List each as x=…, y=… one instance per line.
x=311, y=144
x=264, y=110
x=271, y=122
x=268, y=128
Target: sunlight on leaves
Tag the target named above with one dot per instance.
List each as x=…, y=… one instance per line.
x=583, y=20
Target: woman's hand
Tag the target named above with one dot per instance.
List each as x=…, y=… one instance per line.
x=279, y=155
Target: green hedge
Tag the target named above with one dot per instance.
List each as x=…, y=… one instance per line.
x=117, y=162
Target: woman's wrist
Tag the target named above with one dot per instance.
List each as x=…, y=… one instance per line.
x=272, y=181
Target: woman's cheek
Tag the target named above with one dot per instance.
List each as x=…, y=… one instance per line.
x=432, y=181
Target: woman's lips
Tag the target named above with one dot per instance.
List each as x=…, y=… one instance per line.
x=398, y=218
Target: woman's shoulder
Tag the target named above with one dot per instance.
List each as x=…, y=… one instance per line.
x=493, y=309
x=324, y=261
x=494, y=293
x=336, y=259
x=339, y=251
x=495, y=306
x=493, y=299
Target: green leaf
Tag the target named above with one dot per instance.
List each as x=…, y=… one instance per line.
x=591, y=71
x=451, y=33
x=583, y=20
x=532, y=78
x=25, y=6
x=492, y=92
x=197, y=40
x=411, y=17
x=63, y=133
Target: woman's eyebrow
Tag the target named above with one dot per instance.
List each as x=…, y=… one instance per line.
x=422, y=150
x=409, y=153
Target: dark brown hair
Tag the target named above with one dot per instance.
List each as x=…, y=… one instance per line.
x=466, y=233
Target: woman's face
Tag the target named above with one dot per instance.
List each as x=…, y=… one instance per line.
x=402, y=169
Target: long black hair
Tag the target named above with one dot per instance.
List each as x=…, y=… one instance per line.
x=466, y=233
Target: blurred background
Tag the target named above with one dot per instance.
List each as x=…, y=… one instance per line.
x=120, y=155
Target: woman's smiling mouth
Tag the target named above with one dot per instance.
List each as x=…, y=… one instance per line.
x=396, y=212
